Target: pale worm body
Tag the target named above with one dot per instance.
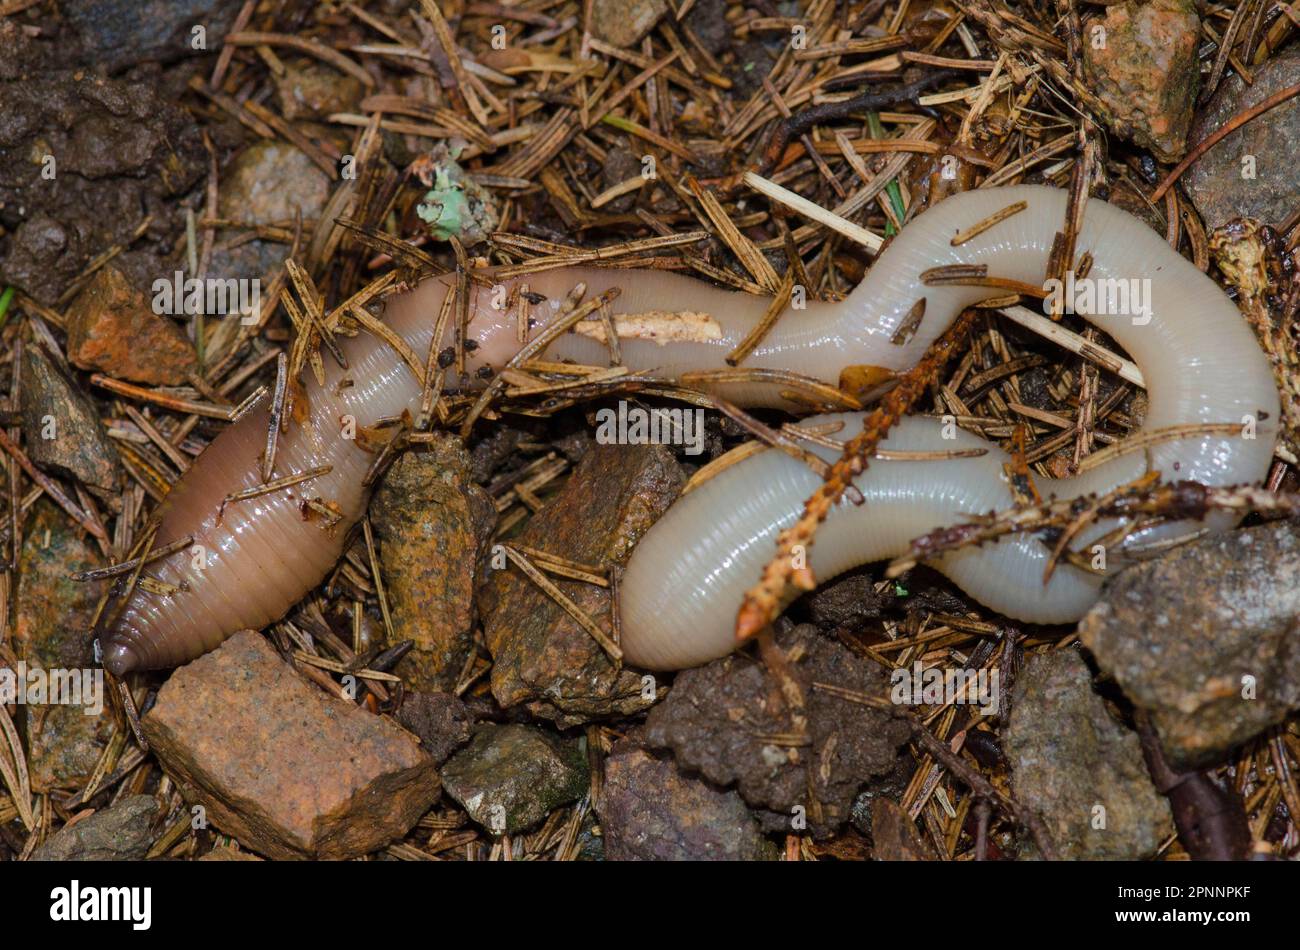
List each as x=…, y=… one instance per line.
x=684, y=582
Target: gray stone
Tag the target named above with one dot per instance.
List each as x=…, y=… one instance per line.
x=120, y=832
x=1215, y=181
x=511, y=777
x=1079, y=769
x=1205, y=639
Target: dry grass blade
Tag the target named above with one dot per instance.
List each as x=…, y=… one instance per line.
x=761, y=329
x=13, y=769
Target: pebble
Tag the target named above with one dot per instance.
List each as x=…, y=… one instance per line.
x=120, y=832
x=651, y=811
x=441, y=720
x=625, y=22
x=1078, y=768
x=1251, y=173
x=511, y=777
x=275, y=762
x=434, y=526
x=1204, y=638
x=115, y=34
x=542, y=658
x=64, y=741
x=62, y=431
x=113, y=329
x=1144, y=68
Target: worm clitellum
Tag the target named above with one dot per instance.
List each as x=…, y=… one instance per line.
x=686, y=578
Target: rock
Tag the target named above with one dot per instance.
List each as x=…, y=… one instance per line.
x=278, y=764
x=1081, y=771
x=120, y=832
x=229, y=854
x=511, y=777
x=311, y=90
x=894, y=834
x=434, y=526
x=717, y=717
x=52, y=633
x=1216, y=182
x=112, y=328
x=119, y=33
x=1205, y=639
x=1145, y=70
x=650, y=811
x=542, y=657
x=61, y=429
x=268, y=182
x=624, y=22
x=83, y=160
x=441, y=720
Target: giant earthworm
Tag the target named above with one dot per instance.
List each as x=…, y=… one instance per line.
x=253, y=561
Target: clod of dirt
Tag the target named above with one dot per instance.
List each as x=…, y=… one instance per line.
x=1079, y=769
x=434, y=526
x=288, y=770
x=115, y=34
x=121, y=832
x=707, y=19
x=1251, y=173
x=112, y=328
x=1205, y=639
x=650, y=811
x=64, y=742
x=543, y=658
x=83, y=160
x=511, y=777
x=728, y=721
x=270, y=183
x=620, y=165
x=311, y=90
x=441, y=720
x=624, y=22
x=1142, y=61
x=23, y=55
x=61, y=427
x=847, y=602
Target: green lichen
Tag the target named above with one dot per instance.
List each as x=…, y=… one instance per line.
x=455, y=204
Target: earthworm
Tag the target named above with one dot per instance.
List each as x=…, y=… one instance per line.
x=685, y=579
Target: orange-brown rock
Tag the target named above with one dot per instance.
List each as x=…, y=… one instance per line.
x=112, y=328
x=286, y=769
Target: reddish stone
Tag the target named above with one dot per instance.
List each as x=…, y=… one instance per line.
x=1142, y=63
x=288, y=770
x=112, y=328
